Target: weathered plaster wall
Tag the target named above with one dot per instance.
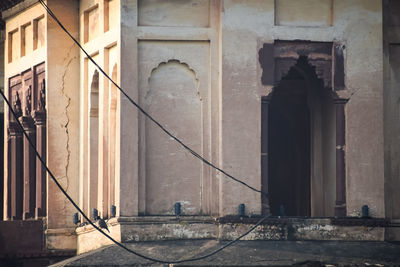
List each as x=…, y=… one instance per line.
x=290, y=13
x=128, y=197
x=240, y=127
x=226, y=49
x=171, y=173
x=62, y=61
x=246, y=25
x=363, y=70
x=154, y=177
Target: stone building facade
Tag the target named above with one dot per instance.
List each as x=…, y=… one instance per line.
x=295, y=98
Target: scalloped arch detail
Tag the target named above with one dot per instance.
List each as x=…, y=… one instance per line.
x=184, y=64
x=173, y=61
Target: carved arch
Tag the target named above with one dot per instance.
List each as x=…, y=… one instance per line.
x=277, y=58
x=176, y=61
x=94, y=94
x=305, y=68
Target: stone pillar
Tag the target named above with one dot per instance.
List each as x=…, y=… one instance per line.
x=16, y=170
x=93, y=159
x=264, y=155
x=40, y=123
x=29, y=168
x=7, y=214
x=340, y=205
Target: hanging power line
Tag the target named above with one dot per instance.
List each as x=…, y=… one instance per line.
x=158, y=124
x=98, y=228
x=194, y=153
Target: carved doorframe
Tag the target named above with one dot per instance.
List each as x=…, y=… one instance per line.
x=26, y=177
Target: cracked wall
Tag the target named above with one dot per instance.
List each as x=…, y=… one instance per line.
x=52, y=46
x=63, y=121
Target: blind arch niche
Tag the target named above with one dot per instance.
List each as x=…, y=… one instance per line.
x=172, y=173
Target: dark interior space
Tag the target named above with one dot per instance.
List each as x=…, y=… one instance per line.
x=289, y=147
x=1, y=164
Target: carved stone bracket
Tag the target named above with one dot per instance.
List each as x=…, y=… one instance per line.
x=42, y=96
x=39, y=117
x=17, y=107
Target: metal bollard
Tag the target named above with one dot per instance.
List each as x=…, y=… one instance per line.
x=75, y=218
x=365, y=211
x=241, y=210
x=282, y=210
x=177, y=209
x=113, y=211
x=95, y=214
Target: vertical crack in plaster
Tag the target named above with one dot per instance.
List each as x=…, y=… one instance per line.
x=68, y=100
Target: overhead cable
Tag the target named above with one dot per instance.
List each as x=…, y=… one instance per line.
x=98, y=228
x=166, y=131
x=194, y=153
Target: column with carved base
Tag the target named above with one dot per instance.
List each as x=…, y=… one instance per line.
x=39, y=117
x=15, y=178
x=29, y=168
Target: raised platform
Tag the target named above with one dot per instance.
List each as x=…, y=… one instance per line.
x=157, y=228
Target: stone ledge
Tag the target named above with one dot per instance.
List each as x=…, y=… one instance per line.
x=166, y=219
x=168, y=231
x=158, y=228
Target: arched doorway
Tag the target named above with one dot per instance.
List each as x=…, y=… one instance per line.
x=301, y=144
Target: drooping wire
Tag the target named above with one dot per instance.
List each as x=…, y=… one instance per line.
x=98, y=228
x=194, y=153
x=169, y=134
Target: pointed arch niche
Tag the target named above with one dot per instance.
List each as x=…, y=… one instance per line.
x=172, y=174
x=112, y=136
x=93, y=140
x=303, y=129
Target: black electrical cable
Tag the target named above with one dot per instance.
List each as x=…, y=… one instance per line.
x=77, y=207
x=98, y=228
x=194, y=153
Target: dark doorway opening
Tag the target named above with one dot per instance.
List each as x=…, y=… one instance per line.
x=289, y=149
x=302, y=139
x=1, y=165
